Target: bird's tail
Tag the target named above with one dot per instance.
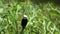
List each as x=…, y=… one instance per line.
x=22, y=31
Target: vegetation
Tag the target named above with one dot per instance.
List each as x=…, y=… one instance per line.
x=44, y=18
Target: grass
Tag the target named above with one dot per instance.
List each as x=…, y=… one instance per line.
x=43, y=18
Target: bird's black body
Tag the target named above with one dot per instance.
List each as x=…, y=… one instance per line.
x=24, y=22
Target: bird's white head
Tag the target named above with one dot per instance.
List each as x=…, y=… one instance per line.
x=25, y=15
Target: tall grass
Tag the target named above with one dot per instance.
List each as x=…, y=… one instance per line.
x=43, y=18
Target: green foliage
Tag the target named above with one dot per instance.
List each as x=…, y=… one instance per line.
x=43, y=18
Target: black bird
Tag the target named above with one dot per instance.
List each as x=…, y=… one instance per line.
x=24, y=22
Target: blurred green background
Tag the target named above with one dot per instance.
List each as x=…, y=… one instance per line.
x=43, y=16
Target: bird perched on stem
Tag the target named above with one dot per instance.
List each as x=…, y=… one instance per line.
x=24, y=22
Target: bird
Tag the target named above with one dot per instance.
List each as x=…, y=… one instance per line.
x=24, y=22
